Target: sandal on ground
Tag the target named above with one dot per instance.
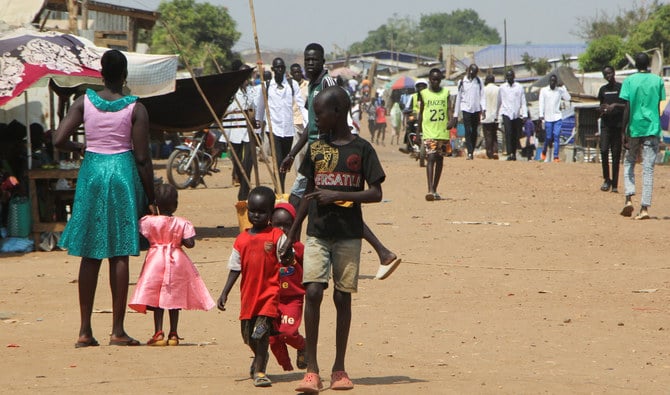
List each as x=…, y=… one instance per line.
x=158, y=339
x=173, y=339
x=127, y=341
x=300, y=360
x=88, y=343
x=436, y=196
x=310, y=384
x=385, y=270
x=642, y=215
x=430, y=197
x=261, y=380
x=627, y=210
x=340, y=381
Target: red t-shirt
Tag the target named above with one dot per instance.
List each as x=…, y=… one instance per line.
x=290, y=277
x=259, y=285
x=381, y=115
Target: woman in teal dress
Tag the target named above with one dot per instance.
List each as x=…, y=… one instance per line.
x=114, y=187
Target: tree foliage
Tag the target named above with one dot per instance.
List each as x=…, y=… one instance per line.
x=641, y=28
x=426, y=37
x=200, y=29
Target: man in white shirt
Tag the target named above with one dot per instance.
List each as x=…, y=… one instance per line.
x=512, y=107
x=489, y=123
x=299, y=120
x=550, y=113
x=471, y=102
x=281, y=93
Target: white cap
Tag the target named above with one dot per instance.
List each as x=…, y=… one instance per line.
x=421, y=81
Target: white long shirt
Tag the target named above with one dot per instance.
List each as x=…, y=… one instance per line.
x=280, y=102
x=512, y=101
x=470, y=96
x=491, y=96
x=550, y=102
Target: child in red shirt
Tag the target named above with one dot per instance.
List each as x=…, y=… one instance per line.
x=380, y=119
x=291, y=296
x=255, y=258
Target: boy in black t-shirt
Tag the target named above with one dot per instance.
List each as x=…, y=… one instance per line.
x=337, y=168
x=611, y=118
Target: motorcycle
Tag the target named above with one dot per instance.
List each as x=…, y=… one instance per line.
x=413, y=145
x=195, y=158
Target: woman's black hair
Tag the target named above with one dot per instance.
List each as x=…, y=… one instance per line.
x=114, y=66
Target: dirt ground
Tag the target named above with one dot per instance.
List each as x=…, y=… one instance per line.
x=525, y=279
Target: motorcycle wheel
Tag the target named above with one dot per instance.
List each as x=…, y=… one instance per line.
x=177, y=173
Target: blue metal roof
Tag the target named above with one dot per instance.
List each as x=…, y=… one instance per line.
x=142, y=5
x=494, y=55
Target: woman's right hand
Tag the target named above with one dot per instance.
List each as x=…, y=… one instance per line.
x=153, y=210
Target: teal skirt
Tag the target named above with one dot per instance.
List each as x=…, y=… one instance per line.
x=108, y=202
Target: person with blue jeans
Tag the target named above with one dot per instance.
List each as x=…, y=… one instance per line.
x=643, y=93
x=550, y=113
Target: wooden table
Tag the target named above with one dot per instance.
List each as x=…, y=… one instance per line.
x=45, y=174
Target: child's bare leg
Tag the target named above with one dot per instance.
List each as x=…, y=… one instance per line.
x=261, y=355
x=118, y=281
x=385, y=255
x=88, y=282
x=158, y=319
x=313, y=298
x=174, y=320
x=343, y=306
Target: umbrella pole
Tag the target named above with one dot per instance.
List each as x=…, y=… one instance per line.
x=29, y=145
x=265, y=100
x=202, y=94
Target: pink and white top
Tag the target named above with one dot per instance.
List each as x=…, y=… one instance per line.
x=108, y=132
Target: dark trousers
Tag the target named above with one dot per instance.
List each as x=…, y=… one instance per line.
x=282, y=148
x=512, y=134
x=490, y=139
x=610, y=139
x=243, y=152
x=471, y=123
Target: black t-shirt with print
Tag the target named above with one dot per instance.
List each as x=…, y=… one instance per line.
x=340, y=168
x=608, y=95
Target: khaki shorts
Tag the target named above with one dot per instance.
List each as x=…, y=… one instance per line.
x=342, y=257
x=441, y=147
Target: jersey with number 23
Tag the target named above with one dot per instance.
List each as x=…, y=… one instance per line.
x=435, y=118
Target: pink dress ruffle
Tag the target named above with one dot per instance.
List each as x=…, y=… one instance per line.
x=169, y=279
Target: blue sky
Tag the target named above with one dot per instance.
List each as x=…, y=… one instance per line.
x=291, y=24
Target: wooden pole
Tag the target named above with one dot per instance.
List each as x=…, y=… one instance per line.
x=250, y=126
x=259, y=61
x=209, y=106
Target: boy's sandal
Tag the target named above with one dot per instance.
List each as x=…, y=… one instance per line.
x=173, y=339
x=158, y=339
x=642, y=216
x=87, y=343
x=340, y=381
x=124, y=342
x=310, y=384
x=261, y=380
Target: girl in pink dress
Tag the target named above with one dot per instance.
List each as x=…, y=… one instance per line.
x=168, y=280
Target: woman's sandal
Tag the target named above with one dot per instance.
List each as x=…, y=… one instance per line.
x=310, y=384
x=158, y=339
x=173, y=339
x=88, y=343
x=340, y=381
x=126, y=342
x=261, y=380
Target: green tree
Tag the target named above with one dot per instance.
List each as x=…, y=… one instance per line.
x=457, y=27
x=200, y=29
x=653, y=32
x=541, y=66
x=426, y=38
x=607, y=50
x=622, y=24
x=528, y=62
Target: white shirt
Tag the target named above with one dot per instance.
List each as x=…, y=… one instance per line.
x=280, y=102
x=550, y=102
x=470, y=97
x=234, y=123
x=491, y=96
x=512, y=101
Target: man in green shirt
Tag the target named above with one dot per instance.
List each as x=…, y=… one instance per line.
x=643, y=93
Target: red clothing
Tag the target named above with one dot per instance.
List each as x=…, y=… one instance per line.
x=259, y=285
x=381, y=114
x=290, y=277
